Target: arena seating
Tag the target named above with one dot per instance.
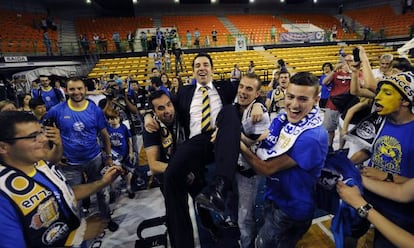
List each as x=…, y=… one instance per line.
x=204, y=24
x=256, y=27
x=383, y=17
x=323, y=21
x=21, y=33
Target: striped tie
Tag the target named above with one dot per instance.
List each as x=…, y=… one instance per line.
x=205, y=114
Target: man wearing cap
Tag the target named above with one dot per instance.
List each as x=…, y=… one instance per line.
x=392, y=152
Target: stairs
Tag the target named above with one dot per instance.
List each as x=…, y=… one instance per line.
x=229, y=25
x=67, y=37
x=157, y=22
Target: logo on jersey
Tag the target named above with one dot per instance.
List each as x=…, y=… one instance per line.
x=54, y=233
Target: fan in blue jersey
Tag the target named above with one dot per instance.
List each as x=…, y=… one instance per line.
x=80, y=122
x=121, y=144
x=291, y=157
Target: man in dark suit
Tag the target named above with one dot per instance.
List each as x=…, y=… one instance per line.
x=198, y=150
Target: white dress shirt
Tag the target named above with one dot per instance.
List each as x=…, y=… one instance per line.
x=196, y=108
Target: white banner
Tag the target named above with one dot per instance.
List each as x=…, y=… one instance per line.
x=302, y=36
x=13, y=59
x=240, y=44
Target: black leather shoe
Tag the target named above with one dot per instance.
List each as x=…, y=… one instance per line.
x=112, y=226
x=213, y=198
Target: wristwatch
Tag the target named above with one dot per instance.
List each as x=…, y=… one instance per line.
x=363, y=211
x=390, y=177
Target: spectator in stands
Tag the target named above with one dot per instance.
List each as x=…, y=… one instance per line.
x=178, y=52
x=144, y=43
x=158, y=58
x=385, y=67
x=50, y=96
x=48, y=43
x=104, y=43
x=235, y=74
x=326, y=88
x=189, y=40
x=273, y=32
x=367, y=32
x=165, y=80
x=150, y=45
x=197, y=38
x=97, y=41
x=131, y=40
x=214, y=35
x=392, y=153
x=175, y=85
x=167, y=61
x=334, y=33
x=207, y=41
x=250, y=69
x=117, y=41
x=79, y=135
x=288, y=210
x=43, y=24
x=84, y=43
x=159, y=38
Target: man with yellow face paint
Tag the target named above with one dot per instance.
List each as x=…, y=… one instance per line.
x=392, y=154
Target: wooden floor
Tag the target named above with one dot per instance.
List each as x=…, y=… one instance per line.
x=319, y=236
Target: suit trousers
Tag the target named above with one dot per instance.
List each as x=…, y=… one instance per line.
x=192, y=156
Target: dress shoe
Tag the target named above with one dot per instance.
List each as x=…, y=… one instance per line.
x=213, y=198
x=112, y=226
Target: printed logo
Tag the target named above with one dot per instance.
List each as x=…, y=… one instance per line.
x=54, y=233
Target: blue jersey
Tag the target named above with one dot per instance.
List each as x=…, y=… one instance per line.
x=293, y=190
x=326, y=89
x=12, y=228
x=119, y=139
x=79, y=129
x=49, y=97
x=393, y=152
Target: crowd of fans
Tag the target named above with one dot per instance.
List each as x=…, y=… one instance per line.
x=162, y=117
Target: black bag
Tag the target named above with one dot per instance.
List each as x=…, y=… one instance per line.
x=344, y=101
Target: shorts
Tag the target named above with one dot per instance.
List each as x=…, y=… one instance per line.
x=331, y=119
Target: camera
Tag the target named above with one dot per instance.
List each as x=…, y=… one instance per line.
x=48, y=122
x=355, y=53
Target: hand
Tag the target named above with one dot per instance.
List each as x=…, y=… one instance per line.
x=150, y=124
x=338, y=66
x=374, y=173
x=213, y=136
x=94, y=227
x=362, y=54
x=131, y=157
x=350, y=195
x=111, y=174
x=53, y=134
x=257, y=112
x=243, y=147
x=109, y=162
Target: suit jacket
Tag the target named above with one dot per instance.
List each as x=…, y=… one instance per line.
x=182, y=101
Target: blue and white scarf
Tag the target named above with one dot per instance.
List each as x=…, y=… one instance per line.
x=283, y=134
